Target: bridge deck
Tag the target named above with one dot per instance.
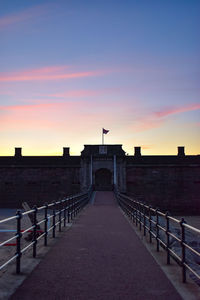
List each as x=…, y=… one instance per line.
x=100, y=257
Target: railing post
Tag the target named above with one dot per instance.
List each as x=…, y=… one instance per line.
x=65, y=213
x=60, y=216
x=167, y=237
x=144, y=215
x=183, y=249
x=150, y=226
x=133, y=212
x=140, y=216
x=54, y=221
x=136, y=215
x=34, y=231
x=157, y=230
x=75, y=208
x=71, y=208
x=18, y=241
x=68, y=210
x=46, y=224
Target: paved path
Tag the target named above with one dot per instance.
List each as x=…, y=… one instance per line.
x=100, y=257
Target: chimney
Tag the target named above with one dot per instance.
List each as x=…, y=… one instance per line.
x=181, y=151
x=137, y=151
x=18, y=152
x=65, y=151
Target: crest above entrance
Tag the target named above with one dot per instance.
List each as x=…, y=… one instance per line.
x=99, y=150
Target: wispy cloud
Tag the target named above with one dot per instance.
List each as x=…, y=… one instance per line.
x=26, y=107
x=57, y=115
x=177, y=110
x=46, y=73
x=34, y=116
x=75, y=94
x=22, y=16
x=157, y=119
x=146, y=123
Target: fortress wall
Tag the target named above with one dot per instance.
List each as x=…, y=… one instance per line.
x=36, y=185
x=173, y=188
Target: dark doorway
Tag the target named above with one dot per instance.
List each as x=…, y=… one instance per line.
x=103, y=180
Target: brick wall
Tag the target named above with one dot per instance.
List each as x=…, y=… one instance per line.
x=172, y=188
x=36, y=185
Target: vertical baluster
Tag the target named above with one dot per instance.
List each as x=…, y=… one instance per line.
x=60, y=216
x=65, y=207
x=46, y=224
x=183, y=261
x=140, y=216
x=133, y=211
x=136, y=215
x=18, y=241
x=35, y=231
x=71, y=208
x=150, y=225
x=68, y=210
x=157, y=230
x=75, y=203
x=144, y=214
x=167, y=237
x=54, y=221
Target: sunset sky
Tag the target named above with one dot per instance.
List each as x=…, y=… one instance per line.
x=69, y=68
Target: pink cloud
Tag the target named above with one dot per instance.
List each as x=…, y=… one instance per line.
x=177, y=110
x=47, y=73
x=23, y=124
x=146, y=124
x=34, y=116
x=22, y=16
x=157, y=119
x=81, y=93
x=78, y=93
x=52, y=116
x=28, y=106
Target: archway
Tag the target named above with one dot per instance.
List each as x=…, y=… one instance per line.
x=103, y=180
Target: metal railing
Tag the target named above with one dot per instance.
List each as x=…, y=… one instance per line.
x=57, y=214
x=167, y=231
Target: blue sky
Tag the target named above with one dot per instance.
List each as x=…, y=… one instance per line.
x=69, y=68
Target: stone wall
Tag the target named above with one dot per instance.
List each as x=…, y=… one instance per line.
x=171, y=187
x=37, y=185
x=168, y=182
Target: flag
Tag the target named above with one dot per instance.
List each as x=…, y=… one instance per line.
x=105, y=131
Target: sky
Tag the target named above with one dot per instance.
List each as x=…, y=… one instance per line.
x=70, y=68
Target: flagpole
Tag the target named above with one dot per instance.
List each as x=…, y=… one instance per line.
x=102, y=137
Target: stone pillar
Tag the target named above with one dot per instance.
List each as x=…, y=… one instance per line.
x=18, y=152
x=137, y=151
x=181, y=151
x=65, y=151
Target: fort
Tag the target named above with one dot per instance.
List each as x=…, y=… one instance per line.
x=168, y=182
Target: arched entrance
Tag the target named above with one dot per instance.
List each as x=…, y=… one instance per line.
x=103, y=180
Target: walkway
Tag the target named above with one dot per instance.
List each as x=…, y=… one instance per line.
x=100, y=257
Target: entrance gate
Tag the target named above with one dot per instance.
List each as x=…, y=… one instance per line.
x=103, y=180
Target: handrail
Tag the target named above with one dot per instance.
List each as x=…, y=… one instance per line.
x=159, y=225
x=61, y=212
